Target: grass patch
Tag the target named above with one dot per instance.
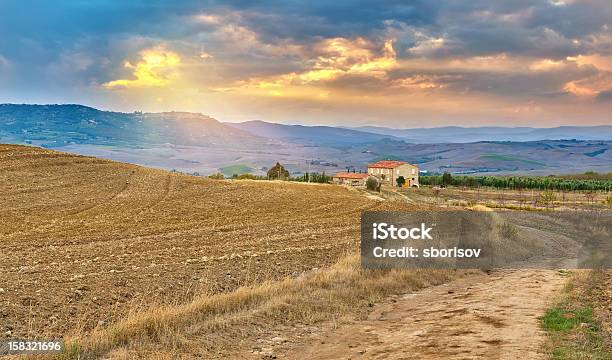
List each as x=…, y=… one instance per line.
x=238, y=169
x=562, y=320
x=573, y=329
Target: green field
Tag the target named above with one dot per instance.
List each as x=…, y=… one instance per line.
x=230, y=170
x=499, y=157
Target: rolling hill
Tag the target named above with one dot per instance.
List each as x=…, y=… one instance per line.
x=310, y=135
x=456, y=134
x=59, y=125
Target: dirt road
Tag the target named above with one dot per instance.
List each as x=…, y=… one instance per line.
x=479, y=317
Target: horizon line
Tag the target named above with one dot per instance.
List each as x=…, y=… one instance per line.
x=349, y=127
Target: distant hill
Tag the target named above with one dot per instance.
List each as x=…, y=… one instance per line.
x=310, y=135
x=456, y=134
x=544, y=156
x=60, y=125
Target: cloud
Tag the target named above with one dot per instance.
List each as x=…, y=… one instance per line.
x=546, y=65
x=390, y=58
x=604, y=96
x=331, y=59
x=157, y=67
x=596, y=85
x=426, y=81
x=204, y=55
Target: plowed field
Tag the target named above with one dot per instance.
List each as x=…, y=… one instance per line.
x=85, y=242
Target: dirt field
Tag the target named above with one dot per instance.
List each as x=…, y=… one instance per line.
x=85, y=241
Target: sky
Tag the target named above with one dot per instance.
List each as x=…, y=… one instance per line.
x=421, y=63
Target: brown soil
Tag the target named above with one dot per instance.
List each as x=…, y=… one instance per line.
x=480, y=317
x=84, y=242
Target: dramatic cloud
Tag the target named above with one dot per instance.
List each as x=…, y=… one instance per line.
x=157, y=67
x=331, y=59
x=423, y=62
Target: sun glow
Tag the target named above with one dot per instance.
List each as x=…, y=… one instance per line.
x=156, y=68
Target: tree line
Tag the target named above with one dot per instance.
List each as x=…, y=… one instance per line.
x=518, y=182
x=278, y=172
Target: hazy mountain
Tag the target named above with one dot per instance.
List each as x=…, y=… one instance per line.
x=456, y=134
x=59, y=125
x=310, y=135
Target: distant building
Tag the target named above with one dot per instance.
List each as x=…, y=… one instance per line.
x=388, y=171
x=349, y=178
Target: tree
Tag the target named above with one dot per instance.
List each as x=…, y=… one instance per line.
x=278, y=171
x=373, y=184
x=401, y=181
x=447, y=178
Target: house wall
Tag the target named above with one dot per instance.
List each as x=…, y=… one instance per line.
x=345, y=181
x=385, y=174
x=389, y=176
x=409, y=172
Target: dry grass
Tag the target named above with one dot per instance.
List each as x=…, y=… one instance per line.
x=479, y=207
x=209, y=325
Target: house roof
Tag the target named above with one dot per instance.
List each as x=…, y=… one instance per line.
x=386, y=164
x=349, y=175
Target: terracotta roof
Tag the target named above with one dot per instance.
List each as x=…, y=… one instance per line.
x=386, y=164
x=349, y=175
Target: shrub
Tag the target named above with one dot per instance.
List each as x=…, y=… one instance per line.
x=247, y=176
x=217, y=176
x=548, y=197
x=401, y=181
x=447, y=179
x=373, y=184
x=508, y=231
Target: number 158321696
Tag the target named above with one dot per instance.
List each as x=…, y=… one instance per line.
x=10, y=347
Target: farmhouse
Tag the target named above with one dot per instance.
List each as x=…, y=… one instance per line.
x=388, y=171
x=349, y=178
